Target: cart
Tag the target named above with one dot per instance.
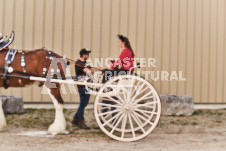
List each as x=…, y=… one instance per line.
x=126, y=108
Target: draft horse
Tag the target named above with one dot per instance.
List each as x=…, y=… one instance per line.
x=17, y=65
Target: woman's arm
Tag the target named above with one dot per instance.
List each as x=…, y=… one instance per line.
x=119, y=61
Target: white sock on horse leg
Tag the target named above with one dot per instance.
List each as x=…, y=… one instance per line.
x=2, y=117
x=59, y=124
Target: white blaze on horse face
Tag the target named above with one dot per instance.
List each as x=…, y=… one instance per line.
x=59, y=124
x=2, y=117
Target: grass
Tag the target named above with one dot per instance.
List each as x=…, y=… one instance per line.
x=198, y=112
x=209, y=112
x=181, y=115
x=179, y=122
x=218, y=121
x=194, y=123
x=161, y=125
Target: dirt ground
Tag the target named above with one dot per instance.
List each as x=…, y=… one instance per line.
x=204, y=130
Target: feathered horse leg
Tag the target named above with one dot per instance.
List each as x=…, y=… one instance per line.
x=59, y=124
x=2, y=117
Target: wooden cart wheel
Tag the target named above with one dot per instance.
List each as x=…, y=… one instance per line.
x=127, y=108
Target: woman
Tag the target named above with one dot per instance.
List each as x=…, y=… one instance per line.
x=124, y=63
x=121, y=66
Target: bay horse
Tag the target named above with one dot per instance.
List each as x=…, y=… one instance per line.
x=36, y=62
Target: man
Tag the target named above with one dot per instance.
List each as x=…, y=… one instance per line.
x=82, y=70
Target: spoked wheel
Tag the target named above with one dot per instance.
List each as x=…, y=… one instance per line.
x=127, y=108
x=96, y=79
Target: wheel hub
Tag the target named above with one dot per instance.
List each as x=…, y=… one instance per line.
x=127, y=108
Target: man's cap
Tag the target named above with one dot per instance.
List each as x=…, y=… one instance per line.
x=84, y=51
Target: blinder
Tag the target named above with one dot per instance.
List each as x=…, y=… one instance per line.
x=5, y=44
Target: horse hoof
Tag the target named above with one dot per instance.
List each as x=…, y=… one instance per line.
x=52, y=133
x=55, y=129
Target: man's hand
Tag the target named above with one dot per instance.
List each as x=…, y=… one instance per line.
x=87, y=70
x=110, y=66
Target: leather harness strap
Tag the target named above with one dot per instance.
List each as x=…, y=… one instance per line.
x=49, y=55
x=8, y=69
x=22, y=60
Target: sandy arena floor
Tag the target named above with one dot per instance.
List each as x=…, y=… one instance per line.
x=205, y=130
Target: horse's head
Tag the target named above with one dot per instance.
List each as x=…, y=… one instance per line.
x=5, y=43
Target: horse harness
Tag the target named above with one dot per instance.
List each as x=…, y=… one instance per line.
x=7, y=69
x=49, y=56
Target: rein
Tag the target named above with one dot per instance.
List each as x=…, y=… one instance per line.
x=67, y=59
x=81, y=65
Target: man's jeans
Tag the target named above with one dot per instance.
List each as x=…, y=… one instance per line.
x=84, y=100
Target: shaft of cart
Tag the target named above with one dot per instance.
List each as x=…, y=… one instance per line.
x=67, y=81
